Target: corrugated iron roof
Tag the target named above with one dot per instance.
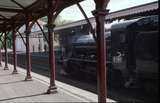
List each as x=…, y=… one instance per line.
x=14, y=10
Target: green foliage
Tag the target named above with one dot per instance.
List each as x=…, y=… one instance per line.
x=59, y=20
x=1, y=45
x=9, y=40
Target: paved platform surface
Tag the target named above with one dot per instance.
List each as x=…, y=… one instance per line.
x=13, y=88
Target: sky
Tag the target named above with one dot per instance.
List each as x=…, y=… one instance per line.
x=73, y=13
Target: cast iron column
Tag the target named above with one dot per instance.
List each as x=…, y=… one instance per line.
x=101, y=54
x=52, y=88
x=6, y=54
x=0, y=58
x=14, y=51
x=28, y=55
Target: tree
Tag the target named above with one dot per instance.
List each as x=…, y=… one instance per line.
x=9, y=40
x=59, y=20
x=1, y=45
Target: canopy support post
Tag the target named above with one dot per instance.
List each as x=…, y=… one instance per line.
x=100, y=14
x=52, y=88
x=14, y=51
x=0, y=50
x=6, y=53
x=28, y=54
x=0, y=57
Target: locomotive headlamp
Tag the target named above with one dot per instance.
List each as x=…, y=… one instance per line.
x=117, y=59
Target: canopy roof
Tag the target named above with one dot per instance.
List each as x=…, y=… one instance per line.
x=15, y=10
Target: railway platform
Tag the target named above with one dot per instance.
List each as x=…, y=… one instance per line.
x=13, y=88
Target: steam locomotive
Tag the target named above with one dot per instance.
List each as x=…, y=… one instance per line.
x=132, y=53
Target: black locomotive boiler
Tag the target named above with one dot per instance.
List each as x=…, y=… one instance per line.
x=132, y=54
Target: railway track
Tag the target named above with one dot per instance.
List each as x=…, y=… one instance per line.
x=81, y=80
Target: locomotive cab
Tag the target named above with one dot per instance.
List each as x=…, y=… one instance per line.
x=135, y=46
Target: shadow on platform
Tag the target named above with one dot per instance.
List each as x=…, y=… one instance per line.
x=13, y=82
x=22, y=97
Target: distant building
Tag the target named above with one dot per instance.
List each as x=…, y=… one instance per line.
x=36, y=39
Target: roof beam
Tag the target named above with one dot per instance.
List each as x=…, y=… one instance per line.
x=10, y=10
x=2, y=16
x=87, y=19
x=4, y=19
x=18, y=4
